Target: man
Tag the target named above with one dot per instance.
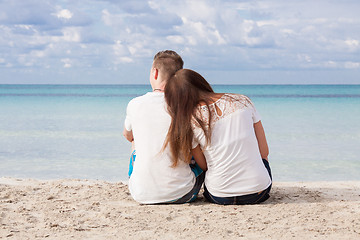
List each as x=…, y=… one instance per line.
x=153, y=179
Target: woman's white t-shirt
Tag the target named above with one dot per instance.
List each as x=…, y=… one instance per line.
x=153, y=180
x=233, y=158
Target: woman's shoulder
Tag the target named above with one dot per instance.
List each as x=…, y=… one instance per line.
x=236, y=96
x=236, y=99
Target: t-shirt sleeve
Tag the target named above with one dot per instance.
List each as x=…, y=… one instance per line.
x=127, y=122
x=255, y=114
x=198, y=134
x=195, y=143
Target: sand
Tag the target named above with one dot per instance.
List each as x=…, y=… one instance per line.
x=82, y=209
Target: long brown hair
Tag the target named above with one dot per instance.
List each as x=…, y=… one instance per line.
x=183, y=93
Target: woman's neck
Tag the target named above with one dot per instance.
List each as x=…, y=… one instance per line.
x=213, y=97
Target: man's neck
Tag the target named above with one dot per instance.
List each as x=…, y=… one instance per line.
x=159, y=87
x=158, y=90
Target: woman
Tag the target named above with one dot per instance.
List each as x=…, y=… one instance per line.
x=224, y=134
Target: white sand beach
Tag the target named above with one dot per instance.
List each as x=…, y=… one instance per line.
x=82, y=209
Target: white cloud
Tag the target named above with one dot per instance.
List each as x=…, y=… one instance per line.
x=64, y=14
x=110, y=19
x=176, y=39
x=331, y=64
x=304, y=58
x=70, y=34
x=126, y=60
x=67, y=62
x=352, y=65
x=120, y=49
x=25, y=60
x=38, y=54
x=212, y=34
x=122, y=53
x=200, y=33
x=353, y=44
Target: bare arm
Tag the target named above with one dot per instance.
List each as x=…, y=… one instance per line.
x=199, y=157
x=261, y=139
x=128, y=135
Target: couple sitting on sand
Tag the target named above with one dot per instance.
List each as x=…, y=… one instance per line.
x=185, y=135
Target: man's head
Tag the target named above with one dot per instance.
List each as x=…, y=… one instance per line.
x=166, y=63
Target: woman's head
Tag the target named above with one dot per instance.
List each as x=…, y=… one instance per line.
x=183, y=93
x=185, y=89
x=188, y=77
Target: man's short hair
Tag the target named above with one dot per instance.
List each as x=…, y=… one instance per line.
x=168, y=62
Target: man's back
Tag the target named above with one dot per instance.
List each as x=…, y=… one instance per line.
x=153, y=179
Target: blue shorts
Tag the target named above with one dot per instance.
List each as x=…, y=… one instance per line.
x=131, y=164
x=190, y=196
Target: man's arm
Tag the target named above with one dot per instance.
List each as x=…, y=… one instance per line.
x=128, y=135
x=261, y=139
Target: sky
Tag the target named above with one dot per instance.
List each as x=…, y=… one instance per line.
x=228, y=41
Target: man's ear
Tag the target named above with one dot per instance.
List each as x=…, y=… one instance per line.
x=156, y=73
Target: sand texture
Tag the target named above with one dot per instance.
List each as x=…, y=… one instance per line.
x=81, y=209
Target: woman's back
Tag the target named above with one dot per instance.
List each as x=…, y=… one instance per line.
x=233, y=159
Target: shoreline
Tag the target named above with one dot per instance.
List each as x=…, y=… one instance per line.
x=96, y=209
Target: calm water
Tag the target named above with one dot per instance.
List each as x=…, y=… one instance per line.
x=71, y=131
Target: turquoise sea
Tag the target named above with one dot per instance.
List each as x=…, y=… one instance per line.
x=75, y=131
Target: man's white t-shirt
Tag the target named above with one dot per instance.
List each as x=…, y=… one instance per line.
x=153, y=180
x=233, y=158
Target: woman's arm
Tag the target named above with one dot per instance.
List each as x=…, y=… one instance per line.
x=261, y=139
x=199, y=157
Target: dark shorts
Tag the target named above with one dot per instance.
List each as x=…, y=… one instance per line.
x=244, y=199
x=192, y=194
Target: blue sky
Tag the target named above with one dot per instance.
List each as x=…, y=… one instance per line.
x=228, y=42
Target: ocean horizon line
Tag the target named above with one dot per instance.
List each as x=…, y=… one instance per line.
x=148, y=84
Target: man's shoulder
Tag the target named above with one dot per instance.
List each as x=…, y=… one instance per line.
x=139, y=99
x=144, y=99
